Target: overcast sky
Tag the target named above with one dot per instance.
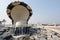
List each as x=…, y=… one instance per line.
x=44, y=11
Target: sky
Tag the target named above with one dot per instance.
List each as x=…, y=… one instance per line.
x=44, y=11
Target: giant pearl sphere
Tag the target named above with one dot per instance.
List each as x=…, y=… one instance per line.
x=20, y=23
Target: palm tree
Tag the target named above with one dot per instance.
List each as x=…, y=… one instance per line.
x=0, y=22
x=4, y=21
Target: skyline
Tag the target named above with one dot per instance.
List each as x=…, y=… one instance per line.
x=44, y=11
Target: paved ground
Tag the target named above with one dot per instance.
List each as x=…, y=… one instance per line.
x=53, y=28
